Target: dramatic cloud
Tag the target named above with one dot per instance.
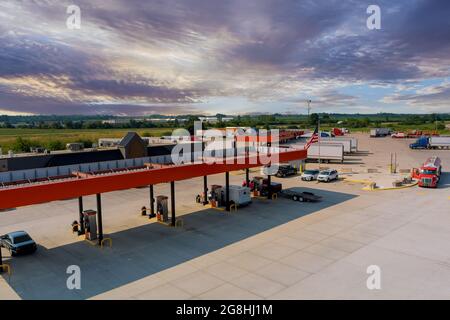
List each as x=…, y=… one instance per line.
x=181, y=56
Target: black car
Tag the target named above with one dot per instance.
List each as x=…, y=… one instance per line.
x=286, y=170
x=18, y=242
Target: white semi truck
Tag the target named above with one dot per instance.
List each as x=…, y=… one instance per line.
x=346, y=143
x=326, y=152
x=353, y=142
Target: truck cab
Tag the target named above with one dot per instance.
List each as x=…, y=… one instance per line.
x=421, y=143
x=430, y=172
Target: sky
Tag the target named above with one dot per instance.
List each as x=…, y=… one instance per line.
x=132, y=57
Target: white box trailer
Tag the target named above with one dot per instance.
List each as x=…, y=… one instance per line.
x=439, y=142
x=326, y=152
x=353, y=140
x=239, y=195
x=346, y=143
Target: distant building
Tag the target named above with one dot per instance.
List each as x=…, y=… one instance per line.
x=215, y=119
x=165, y=119
x=116, y=121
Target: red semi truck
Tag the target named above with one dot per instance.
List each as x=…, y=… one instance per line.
x=429, y=173
x=337, y=132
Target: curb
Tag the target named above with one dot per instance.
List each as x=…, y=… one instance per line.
x=357, y=181
x=392, y=188
x=365, y=188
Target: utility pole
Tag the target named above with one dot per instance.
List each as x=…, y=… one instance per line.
x=309, y=106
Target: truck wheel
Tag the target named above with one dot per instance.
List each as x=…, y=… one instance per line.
x=295, y=198
x=301, y=199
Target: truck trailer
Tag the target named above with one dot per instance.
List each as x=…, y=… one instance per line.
x=345, y=143
x=380, y=132
x=350, y=143
x=326, y=152
x=442, y=142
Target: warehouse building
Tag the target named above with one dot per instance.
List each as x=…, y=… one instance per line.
x=131, y=146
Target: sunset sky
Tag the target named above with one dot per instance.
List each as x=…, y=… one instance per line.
x=135, y=57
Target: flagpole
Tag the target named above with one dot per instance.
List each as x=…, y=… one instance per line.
x=318, y=138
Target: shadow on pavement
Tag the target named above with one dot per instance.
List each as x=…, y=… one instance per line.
x=444, y=181
x=148, y=249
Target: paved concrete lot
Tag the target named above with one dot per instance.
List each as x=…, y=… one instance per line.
x=271, y=249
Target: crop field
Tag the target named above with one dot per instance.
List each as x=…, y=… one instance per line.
x=44, y=137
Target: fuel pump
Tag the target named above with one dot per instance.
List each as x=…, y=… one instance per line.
x=90, y=224
x=217, y=195
x=162, y=208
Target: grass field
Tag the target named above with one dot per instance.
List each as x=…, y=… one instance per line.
x=395, y=126
x=42, y=137
x=45, y=137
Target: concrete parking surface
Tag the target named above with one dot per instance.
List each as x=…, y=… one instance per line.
x=276, y=249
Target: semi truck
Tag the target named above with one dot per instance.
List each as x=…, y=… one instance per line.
x=326, y=152
x=345, y=143
x=431, y=143
x=350, y=143
x=337, y=132
x=429, y=173
x=380, y=132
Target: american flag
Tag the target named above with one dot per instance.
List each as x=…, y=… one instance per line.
x=314, y=138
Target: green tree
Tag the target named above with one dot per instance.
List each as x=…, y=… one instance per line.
x=313, y=118
x=55, y=145
x=22, y=145
x=440, y=126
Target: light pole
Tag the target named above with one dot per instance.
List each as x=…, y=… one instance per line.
x=309, y=105
x=318, y=135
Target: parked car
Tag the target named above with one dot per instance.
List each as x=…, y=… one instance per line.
x=327, y=175
x=18, y=242
x=286, y=170
x=309, y=175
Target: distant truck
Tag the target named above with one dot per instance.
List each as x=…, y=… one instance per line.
x=337, y=132
x=429, y=173
x=399, y=135
x=323, y=134
x=431, y=143
x=326, y=152
x=420, y=133
x=75, y=146
x=38, y=150
x=380, y=132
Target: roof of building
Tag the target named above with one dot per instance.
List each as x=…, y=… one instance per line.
x=130, y=136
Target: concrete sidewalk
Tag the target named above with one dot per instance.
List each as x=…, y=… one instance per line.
x=6, y=292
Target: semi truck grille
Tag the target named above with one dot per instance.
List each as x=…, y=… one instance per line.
x=427, y=181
